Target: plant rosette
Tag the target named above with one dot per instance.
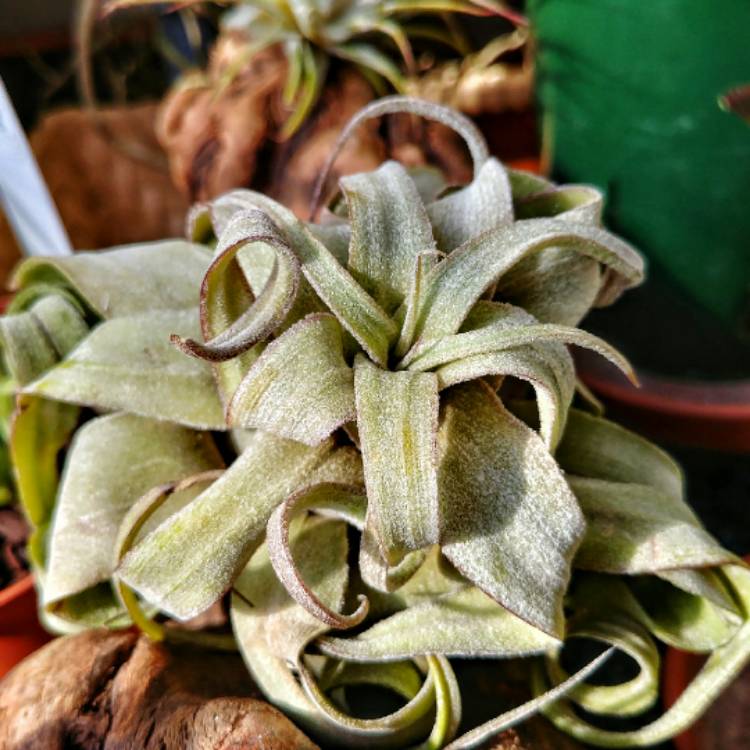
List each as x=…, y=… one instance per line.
x=404, y=477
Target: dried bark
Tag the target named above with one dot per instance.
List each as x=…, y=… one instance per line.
x=113, y=691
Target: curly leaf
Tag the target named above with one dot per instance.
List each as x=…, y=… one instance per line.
x=722, y=666
x=187, y=563
x=344, y=501
x=356, y=310
x=249, y=229
x=464, y=623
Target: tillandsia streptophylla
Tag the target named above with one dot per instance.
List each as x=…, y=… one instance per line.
x=393, y=376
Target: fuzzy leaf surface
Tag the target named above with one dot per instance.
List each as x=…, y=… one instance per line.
x=112, y=462
x=455, y=285
x=510, y=523
x=397, y=414
x=128, y=364
x=125, y=280
x=194, y=557
x=480, y=206
x=464, y=623
x=300, y=387
x=390, y=229
x=633, y=528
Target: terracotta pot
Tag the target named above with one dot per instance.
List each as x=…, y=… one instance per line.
x=714, y=415
x=20, y=631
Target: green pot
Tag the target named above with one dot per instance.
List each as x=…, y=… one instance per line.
x=629, y=89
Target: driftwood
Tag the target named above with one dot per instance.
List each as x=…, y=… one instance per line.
x=114, y=691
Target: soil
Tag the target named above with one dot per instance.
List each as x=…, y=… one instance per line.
x=13, y=534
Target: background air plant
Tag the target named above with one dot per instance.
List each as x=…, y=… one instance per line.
x=313, y=33
x=278, y=70
x=398, y=367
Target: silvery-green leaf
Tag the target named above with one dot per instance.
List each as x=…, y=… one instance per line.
x=336, y=236
x=34, y=340
x=634, y=528
x=376, y=571
x=464, y=623
x=577, y=203
x=548, y=368
x=390, y=229
x=492, y=326
x=300, y=387
x=41, y=429
x=408, y=312
x=273, y=630
x=455, y=284
x=702, y=582
x=397, y=420
x=429, y=180
x=248, y=231
x=510, y=523
x=128, y=364
x=721, y=668
x=524, y=184
x=485, y=203
x=193, y=558
x=94, y=607
x=556, y=285
x=597, y=448
x=112, y=462
x=683, y=620
x=125, y=280
x=356, y=310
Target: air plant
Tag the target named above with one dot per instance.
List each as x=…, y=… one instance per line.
x=393, y=375
x=314, y=33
